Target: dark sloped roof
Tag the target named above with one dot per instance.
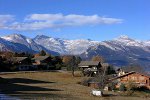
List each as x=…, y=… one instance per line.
x=18, y=59
x=89, y=63
x=122, y=75
x=40, y=58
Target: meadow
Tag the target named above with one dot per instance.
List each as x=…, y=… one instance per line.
x=54, y=86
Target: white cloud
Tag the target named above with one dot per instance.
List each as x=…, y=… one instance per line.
x=44, y=17
x=5, y=19
x=43, y=21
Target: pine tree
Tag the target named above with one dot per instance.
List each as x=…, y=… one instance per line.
x=42, y=53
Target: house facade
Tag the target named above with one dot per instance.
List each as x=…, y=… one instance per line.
x=22, y=63
x=140, y=79
x=42, y=62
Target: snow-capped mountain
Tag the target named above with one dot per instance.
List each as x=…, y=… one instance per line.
x=147, y=43
x=122, y=51
x=18, y=38
x=122, y=42
x=119, y=51
x=11, y=46
x=62, y=46
x=20, y=43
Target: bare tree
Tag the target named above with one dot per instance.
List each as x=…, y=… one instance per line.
x=135, y=67
x=102, y=78
x=98, y=58
x=70, y=62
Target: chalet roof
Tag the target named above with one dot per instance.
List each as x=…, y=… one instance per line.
x=18, y=59
x=144, y=74
x=88, y=63
x=122, y=75
x=41, y=58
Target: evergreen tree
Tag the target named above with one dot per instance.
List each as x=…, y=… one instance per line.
x=110, y=70
x=122, y=87
x=42, y=53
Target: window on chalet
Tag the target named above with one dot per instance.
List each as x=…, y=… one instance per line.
x=146, y=81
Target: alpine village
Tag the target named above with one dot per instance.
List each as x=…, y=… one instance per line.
x=74, y=49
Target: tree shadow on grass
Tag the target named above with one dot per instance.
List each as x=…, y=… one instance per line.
x=9, y=87
x=13, y=88
x=26, y=81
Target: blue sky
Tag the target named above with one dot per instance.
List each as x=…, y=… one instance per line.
x=76, y=19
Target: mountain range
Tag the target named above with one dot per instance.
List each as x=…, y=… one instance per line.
x=121, y=51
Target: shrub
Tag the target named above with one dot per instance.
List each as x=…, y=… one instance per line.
x=111, y=86
x=130, y=87
x=58, y=66
x=69, y=68
x=122, y=87
x=85, y=81
x=13, y=68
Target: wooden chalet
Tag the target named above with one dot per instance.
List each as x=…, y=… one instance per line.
x=22, y=63
x=41, y=61
x=20, y=60
x=90, y=67
x=141, y=79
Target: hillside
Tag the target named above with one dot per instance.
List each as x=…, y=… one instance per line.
x=122, y=51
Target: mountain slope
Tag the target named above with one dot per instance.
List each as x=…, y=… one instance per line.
x=122, y=51
x=20, y=43
x=61, y=46
x=18, y=38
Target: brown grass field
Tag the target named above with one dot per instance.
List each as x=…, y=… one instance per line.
x=54, y=86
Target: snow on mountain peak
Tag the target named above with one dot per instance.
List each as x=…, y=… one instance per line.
x=14, y=37
x=125, y=40
x=41, y=37
x=147, y=43
x=20, y=39
x=76, y=47
x=124, y=37
x=64, y=46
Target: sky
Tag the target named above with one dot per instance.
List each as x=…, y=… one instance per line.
x=76, y=19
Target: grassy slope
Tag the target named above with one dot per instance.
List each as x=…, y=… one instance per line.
x=51, y=85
